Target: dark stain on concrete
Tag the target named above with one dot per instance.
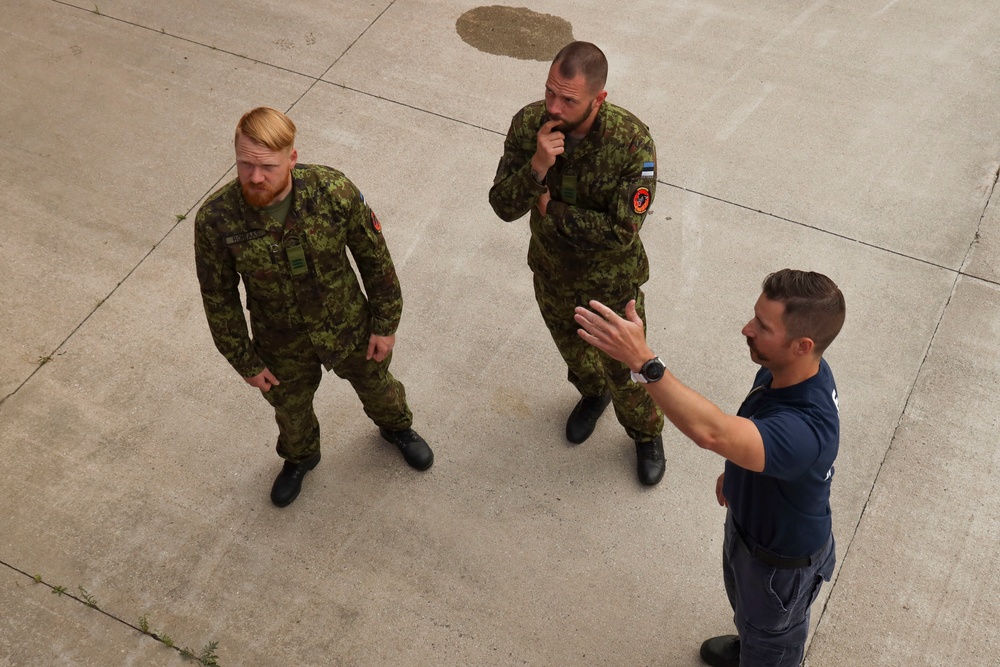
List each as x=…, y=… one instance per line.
x=517, y=32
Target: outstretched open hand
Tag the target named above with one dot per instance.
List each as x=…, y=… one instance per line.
x=623, y=339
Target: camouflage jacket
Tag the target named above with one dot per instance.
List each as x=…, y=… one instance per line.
x=588, y=243
x=328, y=215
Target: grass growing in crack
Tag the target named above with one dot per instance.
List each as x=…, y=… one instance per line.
x=87, y=598
x=180, y=216
x=208, y=655
x=207, y=658
x=46, y=358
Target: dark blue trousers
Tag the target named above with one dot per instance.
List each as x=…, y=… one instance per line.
x=771, y=605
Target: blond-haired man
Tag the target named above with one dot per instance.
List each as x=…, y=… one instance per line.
x=284, y=229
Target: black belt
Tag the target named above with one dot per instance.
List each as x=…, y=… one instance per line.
x=767, y=557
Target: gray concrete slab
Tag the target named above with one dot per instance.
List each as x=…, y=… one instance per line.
x=291, y=35
x=865, y=119
x=42, y=628
x=141, y=464
x=922, y=589
x=500, y=551
x=99, y=155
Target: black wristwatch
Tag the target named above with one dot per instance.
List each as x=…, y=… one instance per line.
x=536, y=179
x=651, y=371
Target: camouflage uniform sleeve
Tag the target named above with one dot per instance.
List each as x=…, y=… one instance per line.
x=617, y=227
x=221, y=297
x=514, y=191
x=371, y=254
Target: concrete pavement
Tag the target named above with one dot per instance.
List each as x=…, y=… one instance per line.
x=857, y=139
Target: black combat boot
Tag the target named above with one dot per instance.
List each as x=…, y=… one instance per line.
x=415, y=449
x=649, y=461
x=288, y=483
x=583, y=420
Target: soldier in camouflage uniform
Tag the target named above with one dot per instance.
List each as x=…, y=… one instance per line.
x=586, y=171
x=284, y=229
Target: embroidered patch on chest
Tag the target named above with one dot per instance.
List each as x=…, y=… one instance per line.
x=245, y=236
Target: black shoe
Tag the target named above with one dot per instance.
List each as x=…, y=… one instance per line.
x=288, y=483
x=721, y=651
x=649, y=461
x=583, y=420
x=415, y=449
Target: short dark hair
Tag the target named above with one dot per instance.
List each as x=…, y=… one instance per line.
x=586, y=59
x=814, y=305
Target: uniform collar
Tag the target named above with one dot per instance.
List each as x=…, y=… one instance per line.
x=260, y=220
x=595, y=135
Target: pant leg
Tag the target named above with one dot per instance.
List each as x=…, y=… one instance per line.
x=582, y=360
x=635, y=409
x=593, y=372
x=382, y=395
x=771, y=605
x=295, y=365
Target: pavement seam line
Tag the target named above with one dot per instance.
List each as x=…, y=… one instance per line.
x=56, y=351
x=183, y=39
x=892, y=442
x=342, y=54
x=979, y=226
x=906, y=404
x=319, y=79
x=314, y=79
x=838, y=235
x=89, y=602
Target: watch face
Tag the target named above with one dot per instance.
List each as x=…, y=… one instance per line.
x=653, y=370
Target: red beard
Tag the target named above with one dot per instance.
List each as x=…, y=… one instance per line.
x=261, y=195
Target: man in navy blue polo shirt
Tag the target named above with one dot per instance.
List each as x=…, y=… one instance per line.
x=779, y=450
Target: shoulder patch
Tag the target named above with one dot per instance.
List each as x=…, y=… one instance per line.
x=648, y=169
x=640, y=200
x=376, y=225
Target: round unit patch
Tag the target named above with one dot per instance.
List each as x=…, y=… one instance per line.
x=375, y=223
x=640, y=200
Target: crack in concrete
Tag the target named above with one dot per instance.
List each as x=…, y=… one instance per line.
x=90, y=603
x=959, y=274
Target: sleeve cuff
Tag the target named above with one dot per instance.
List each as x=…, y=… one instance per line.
x=556, y=209
x=250, y=370
x=530, y=180
x=384, y=327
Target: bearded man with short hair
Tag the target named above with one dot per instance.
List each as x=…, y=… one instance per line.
x=284, y=229
x=585, y=169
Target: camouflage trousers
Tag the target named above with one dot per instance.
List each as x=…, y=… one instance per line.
x=299, y=370
x=593, y=372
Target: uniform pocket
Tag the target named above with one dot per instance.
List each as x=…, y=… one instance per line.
x=784, y=587
x=267, y=288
